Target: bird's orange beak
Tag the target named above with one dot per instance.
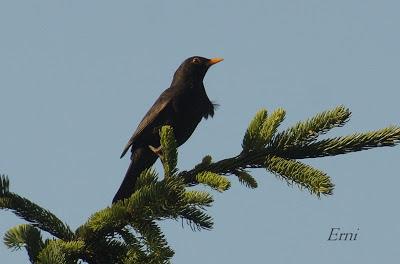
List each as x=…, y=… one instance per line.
x=214, y=61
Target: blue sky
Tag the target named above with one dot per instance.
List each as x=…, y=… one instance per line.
x=78, y=76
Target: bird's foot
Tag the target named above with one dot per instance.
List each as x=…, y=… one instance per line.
x=157, y=151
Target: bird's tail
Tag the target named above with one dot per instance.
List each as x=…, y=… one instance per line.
x=141, y=159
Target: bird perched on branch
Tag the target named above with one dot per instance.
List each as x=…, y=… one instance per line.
x=181, y=106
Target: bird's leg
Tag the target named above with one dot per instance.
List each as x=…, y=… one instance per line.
x=157, y=151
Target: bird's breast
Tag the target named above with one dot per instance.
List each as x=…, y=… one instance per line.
x=188, y=112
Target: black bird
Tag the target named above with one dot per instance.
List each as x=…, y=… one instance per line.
x=182, y=106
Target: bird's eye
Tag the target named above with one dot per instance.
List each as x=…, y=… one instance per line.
x=196, y=60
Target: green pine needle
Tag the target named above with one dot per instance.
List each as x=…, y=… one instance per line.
x=316, y=181
x=147, y=177
x=215, y=181
x=307, y=131
x=38, y=216
x=205, y=162
x=386, y=137
x=61, y=251
x=27, y=236
x=169, y=149
x=246, y=179
x=198, y=198
x=136, y=256
x=53, y=254
x=252, y=138
x=155, y=241
x=4, y=185
x=262, y=128
x=270, y=125
x=105, y=221
x=154, y=201
x=196, y=218
x=18, y=236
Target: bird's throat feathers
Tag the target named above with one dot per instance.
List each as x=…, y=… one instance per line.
x=184, y=80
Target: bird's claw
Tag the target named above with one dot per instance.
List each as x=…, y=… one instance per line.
x=157, y=151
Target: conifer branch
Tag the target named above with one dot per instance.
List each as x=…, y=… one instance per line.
x=205, y=162
x=261, y=129
x=136, y=252
x=169, y=155
x=103, y=250
x=215, y=181
x=26, y=236
x=147, y=177
x=386, y=137
x=155, y=241
x=297, y=142
x=4, y=185
x=270, y=125
x=59, y=251
x=198, y=198
x=252, y=137
x=128, y=231
x=196, y=218
x=305, y=132
x=135, y=256
x=246, y=179
x=316, y=181
x=155, y=201
x=31, y=212
x=52, y=254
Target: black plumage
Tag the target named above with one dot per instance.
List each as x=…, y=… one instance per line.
x=181, y=106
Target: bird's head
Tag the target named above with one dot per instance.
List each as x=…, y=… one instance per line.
x=194, y=69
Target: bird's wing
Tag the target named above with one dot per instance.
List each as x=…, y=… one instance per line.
x=158, y=107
